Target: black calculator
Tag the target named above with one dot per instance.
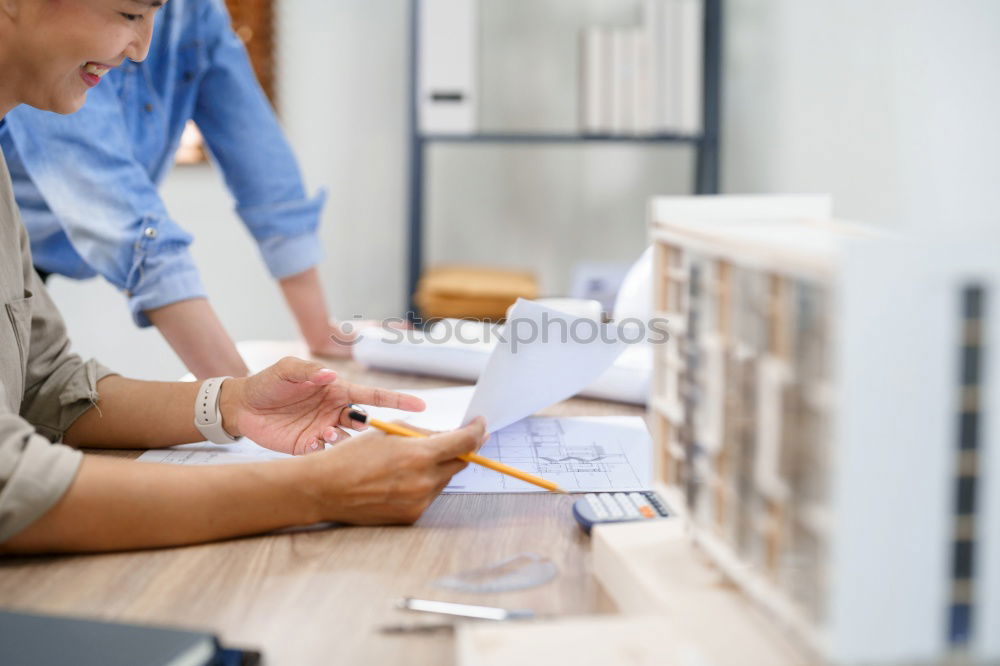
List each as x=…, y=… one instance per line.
x=596, y=508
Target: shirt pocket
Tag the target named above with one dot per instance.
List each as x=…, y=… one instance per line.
x=15, y=336
x=191, y=63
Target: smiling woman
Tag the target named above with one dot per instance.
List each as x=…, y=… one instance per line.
x=93, y=37
x=53, y=498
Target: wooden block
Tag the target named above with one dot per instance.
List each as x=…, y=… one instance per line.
x=654, y=569
x=582, y=641
x=473, y=292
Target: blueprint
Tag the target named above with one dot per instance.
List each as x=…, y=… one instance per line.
x=581, y=454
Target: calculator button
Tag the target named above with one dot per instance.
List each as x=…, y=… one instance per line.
x=657, y=504
x=611, y=505
x=638, y=499
x=645, y=508
x=596, y=506
x=628, y=508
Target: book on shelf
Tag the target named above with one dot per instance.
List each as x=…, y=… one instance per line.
x=595, y=81
x=657, y=25
x=642, y=79
x=690, y=19
x=645, y=79
x=621, y=84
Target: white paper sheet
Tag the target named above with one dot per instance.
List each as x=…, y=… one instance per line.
x=445, y=408
x=207, y=453
x=546, y=356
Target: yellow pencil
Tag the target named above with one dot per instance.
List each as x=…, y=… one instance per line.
x=396, y=429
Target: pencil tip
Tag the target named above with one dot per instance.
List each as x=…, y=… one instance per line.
x=357, y=416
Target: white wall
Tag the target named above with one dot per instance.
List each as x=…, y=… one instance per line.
x=891, y=106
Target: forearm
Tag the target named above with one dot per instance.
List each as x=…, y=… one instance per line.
x=120, y=505
x=133, y=414
x=193, y=330
x=304, y=295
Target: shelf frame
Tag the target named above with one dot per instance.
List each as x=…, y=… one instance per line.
x=557, y=137
x=706, y=144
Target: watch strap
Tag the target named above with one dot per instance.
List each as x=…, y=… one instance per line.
x=207, y=417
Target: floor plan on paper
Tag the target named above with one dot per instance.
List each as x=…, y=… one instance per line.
x=579, y=454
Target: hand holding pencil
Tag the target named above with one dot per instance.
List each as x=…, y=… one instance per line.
x=378, y=478
x=407, y=431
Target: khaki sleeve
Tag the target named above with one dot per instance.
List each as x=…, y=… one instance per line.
x=59, y=386
x=34, y=474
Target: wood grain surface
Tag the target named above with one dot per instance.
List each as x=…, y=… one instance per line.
x=320, y=596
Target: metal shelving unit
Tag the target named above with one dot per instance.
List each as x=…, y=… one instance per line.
x=706, y=144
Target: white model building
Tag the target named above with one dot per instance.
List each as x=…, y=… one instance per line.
x=825, y=413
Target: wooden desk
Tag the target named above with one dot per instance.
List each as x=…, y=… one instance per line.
x=319, y=597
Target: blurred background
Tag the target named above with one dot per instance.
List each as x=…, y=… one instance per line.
x=889, y=106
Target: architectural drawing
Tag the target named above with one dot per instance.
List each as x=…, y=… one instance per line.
x=580, y=454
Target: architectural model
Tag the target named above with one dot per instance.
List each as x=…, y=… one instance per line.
x=822, y=414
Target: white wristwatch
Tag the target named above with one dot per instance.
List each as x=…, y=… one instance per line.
x=207, y=417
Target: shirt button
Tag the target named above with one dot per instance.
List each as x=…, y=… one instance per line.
x=149, y=232
x=148, y=108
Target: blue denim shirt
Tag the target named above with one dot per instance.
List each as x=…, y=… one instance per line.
x=87, y=183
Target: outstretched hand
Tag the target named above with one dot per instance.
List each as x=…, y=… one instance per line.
x=295, y=406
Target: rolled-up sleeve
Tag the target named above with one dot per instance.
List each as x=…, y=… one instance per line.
x=286, y=234
x=58, y=385
x=244, y=137
x=160, y=275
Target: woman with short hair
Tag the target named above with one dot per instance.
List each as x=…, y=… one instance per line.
x=53, y=498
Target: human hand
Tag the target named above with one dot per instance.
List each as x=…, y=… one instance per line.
x=378, y=478
x=295, y=406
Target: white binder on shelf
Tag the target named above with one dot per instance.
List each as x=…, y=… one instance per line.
x=629, y=66
x=690, y=51
x=674, y=31
x=621, y=90
x=446, y=72
x=595, y=81
x=658, y=25
x=642, y=90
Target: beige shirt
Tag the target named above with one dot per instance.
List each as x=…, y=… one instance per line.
x=43, y=387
